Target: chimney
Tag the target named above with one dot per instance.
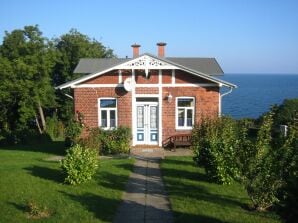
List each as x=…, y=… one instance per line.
x=135, y=48
x=161, y=49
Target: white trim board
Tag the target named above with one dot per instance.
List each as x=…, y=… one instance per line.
x=145, y=85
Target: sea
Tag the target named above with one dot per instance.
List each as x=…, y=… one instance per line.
x=256, y=93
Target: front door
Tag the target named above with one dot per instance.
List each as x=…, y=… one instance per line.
x=147, y=123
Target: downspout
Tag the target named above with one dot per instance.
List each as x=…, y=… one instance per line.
x=220, y=99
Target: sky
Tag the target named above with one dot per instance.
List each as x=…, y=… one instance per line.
x=245, y=36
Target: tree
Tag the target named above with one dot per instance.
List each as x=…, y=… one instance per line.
x=70, y=48
x=26, y=63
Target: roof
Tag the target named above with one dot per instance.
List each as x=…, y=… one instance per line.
x=91, y=65
x=88, y=65
x=204, y=65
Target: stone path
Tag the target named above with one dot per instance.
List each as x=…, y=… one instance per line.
x=145, y=199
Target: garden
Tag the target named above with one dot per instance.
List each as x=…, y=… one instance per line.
x=33, y=187
x=242, y=170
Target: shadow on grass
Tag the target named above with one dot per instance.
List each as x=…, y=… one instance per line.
x=51, y=147
x=21, y=207
x=179, y=161
x=189, y=175
x=111, y=180
x=186, y=217
x=103, y=208
x=46, y=173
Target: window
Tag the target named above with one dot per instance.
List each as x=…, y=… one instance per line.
x=107, y=112
x=185, y=108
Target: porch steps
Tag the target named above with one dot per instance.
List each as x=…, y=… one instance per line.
x=147, y=152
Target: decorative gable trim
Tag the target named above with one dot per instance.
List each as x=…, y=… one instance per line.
x=146, y=62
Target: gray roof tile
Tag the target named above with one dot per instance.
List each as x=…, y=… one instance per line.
x=91, y=65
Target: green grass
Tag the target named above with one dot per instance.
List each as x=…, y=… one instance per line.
x=27, y=176
x=195, y=199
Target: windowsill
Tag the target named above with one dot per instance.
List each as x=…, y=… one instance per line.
x=106, y=128
x=183, y=128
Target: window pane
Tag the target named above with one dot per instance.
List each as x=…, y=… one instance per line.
x=103, y=118
x=185, y=102
x=153, y=117
x=140, y=117
x=181, y=117
x=108, y=103
x=112, y=118
x=189, y=117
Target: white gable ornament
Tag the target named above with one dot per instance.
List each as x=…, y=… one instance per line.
x=146, y=63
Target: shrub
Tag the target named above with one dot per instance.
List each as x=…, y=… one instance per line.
x=80, y=164
x=93, y=140
x=285, y=113
x=214, y=143
x=263, y=179
x=72, y=133
x=289, y=164
x=115, y=141
x=245, y=150
x=55, y=128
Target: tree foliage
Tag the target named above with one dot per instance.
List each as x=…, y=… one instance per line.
x=70, y=47
x=30, y=66
x=26, y=63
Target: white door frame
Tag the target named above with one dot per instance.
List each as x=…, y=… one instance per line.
x=146, y=135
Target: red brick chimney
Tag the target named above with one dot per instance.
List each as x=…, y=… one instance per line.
x=161, y=49
x=135, y=48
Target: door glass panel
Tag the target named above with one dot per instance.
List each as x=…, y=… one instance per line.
x=140, y=117
x=181, y=117
x=147, y=99
x=153, y=117
x=112, y=118
x=104, y=119
x=189, y=117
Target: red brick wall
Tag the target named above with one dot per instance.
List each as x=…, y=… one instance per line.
x=108, y=78
x=146, y=90
x=183, y=77
x=86, y=101
x=206, y=100
x=167, y=76
x=141, y=79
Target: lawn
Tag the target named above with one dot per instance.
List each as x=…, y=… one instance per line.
x=195, y=199
x=28, y=176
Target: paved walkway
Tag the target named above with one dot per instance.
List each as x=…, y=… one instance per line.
x=145, y=199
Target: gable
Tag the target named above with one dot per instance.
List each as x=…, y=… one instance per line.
x=144, y=63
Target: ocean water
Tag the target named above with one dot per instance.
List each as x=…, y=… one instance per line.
x=257, y=92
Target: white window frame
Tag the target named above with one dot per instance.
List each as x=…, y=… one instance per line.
x=185, y=127
x=108, y=114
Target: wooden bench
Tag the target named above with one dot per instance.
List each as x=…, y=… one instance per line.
x=181, y=140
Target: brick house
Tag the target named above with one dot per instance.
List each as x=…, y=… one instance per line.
x=156, y=96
